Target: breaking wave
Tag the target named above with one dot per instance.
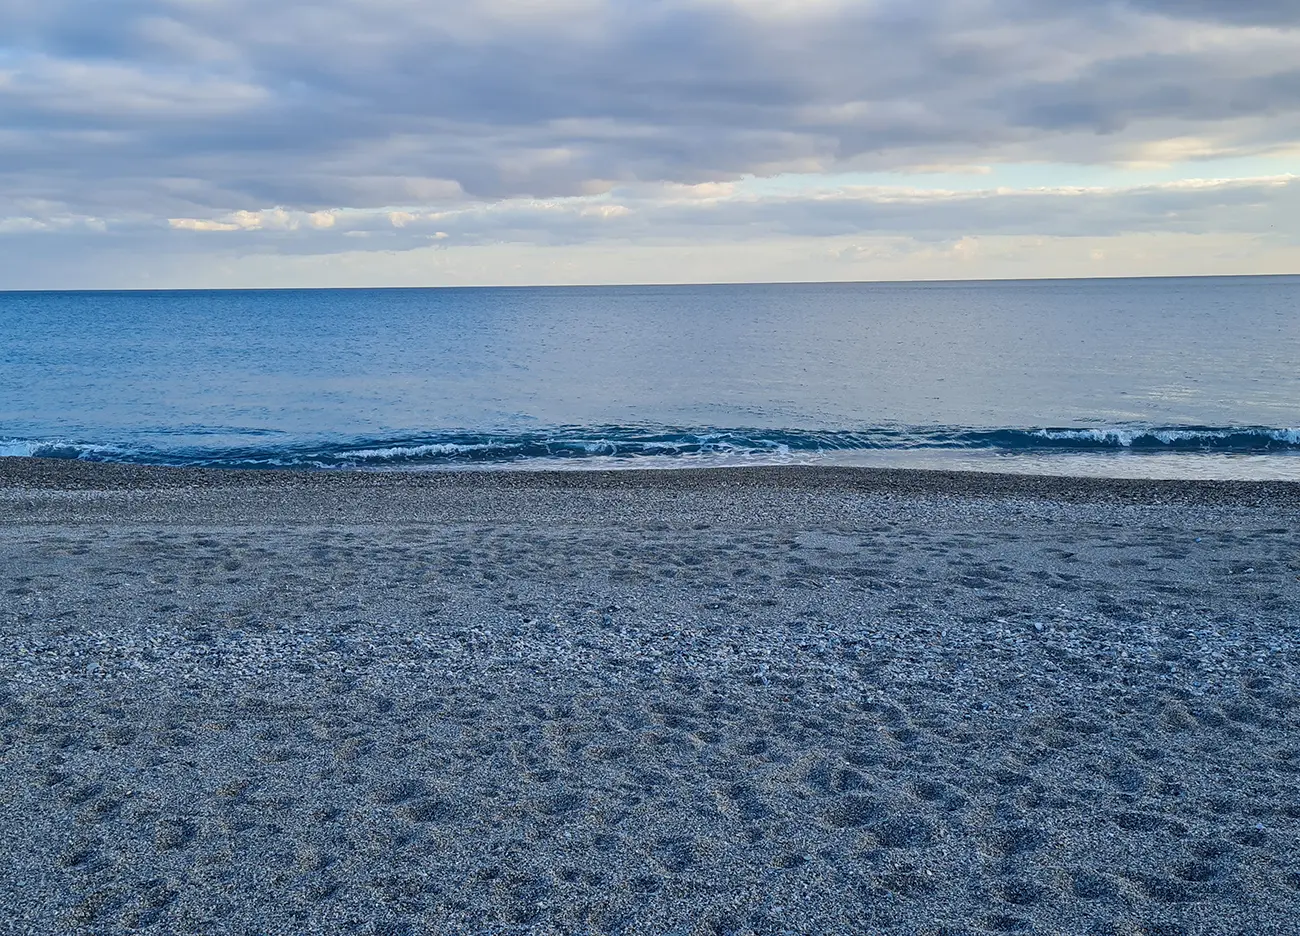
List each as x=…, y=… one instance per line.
x=604, y=444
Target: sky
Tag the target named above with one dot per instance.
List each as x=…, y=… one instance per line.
x=233, y=143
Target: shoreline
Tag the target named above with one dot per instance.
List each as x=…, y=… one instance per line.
x=18, y=472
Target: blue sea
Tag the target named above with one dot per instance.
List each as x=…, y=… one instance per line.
x=1195, y=377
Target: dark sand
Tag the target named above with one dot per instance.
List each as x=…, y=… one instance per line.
x=741, y=701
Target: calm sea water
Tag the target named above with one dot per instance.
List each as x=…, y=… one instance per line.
x=1171, y=377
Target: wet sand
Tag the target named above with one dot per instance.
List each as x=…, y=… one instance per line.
x=740, y=701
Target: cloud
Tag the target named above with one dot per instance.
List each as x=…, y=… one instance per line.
x=172, y=127
x=177, y=109
x=273, y=219
x=1269, y=207
x=199, y=224
x=1261, y=12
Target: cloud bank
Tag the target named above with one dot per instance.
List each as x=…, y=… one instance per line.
x=301, y=127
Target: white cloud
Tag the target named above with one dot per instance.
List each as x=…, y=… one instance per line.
x=265, y=219
x=200, y=224
x=605, y=211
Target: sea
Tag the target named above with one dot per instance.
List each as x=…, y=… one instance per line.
x=1176, y=378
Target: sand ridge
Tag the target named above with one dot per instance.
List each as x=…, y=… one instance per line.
x=647, y=705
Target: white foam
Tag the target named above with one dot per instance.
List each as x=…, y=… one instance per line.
x=56, y=448
x=1125, y=437
x=423, y=451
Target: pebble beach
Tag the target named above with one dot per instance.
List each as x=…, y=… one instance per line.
x=739, y=701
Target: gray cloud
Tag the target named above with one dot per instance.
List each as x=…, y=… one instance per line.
x=657, y=234
x=1254, y=12
x=158, y=108
x=1252, y=206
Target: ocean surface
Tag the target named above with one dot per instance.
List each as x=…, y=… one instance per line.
x=1147, y=377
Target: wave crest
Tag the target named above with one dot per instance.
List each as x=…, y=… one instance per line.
x=464, y=448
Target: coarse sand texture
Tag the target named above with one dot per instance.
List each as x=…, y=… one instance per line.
x=732, y=702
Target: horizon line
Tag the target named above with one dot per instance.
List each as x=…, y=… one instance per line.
x=670, y=285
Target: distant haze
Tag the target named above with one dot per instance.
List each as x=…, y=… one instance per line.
x=161, y=143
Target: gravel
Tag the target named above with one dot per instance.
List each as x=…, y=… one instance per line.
x=735, y=701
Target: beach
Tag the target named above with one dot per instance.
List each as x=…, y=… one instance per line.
x=737, y=701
